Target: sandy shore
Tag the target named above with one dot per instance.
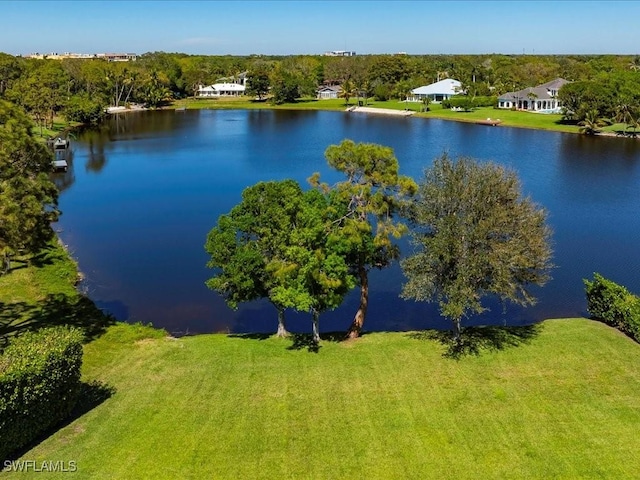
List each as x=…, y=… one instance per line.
x=381, y=111
x=131, y=108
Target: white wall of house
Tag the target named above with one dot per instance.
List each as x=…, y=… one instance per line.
x=221, y=90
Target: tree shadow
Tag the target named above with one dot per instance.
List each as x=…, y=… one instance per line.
x=251, y=336
x=476, y=339
x=92, y=394
x=42, y=258
x=301, y=341
x=55, y=309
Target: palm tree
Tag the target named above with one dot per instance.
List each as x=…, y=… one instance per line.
x=624, y=113
x=425, y=103
x=532, y=96
x=592, y=123
x=348, y=89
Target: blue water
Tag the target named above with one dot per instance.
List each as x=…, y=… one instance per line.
x=142, y=193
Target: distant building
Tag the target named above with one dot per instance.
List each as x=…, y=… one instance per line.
x=109, y=57
x=542, y=99
x=436, y=92
x=118, y=57
x=221, y=90
x=340, y=53
x=328, y=92
x=240, y=79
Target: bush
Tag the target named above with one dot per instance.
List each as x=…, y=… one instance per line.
x=39, y=384
x=382, y=92
x=614, y=305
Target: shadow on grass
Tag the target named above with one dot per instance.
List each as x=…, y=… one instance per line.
x=92, y=394
x=55, y=309
x=299, y=341
x=251, y=336
x=476, y=339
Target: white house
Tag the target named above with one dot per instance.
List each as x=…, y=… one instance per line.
x=328, y=92
x=437, y=92
x=221, y=90
x=541, y=99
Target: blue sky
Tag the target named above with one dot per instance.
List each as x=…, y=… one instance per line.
x=313, y=27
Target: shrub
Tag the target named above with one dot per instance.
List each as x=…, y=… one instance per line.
x=614, y=305
x=382, y=92
x=39, y=384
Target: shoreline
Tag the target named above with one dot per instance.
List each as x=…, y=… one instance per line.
x=360, y=109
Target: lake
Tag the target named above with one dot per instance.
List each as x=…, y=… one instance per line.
x=143, y=191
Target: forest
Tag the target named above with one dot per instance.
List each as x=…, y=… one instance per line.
x=604, y=87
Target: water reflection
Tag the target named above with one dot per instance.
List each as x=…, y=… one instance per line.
x=154, y=184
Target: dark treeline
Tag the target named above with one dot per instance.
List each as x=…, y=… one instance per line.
x=80, y=89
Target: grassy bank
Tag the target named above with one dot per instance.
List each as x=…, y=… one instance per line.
x=563, y=404
x=509, y=118
x=39, y=291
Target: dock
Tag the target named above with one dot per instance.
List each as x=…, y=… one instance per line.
x=60, y=165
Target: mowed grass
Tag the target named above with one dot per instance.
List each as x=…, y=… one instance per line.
x=509, y=118
x=566, y=404
x=32, y=278
x=39, y=291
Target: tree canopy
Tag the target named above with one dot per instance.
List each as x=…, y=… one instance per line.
x=372, y=194
x=28, y=199
x=275, y=244
x=476, y=236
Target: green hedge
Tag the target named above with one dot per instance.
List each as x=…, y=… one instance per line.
x=614, y=305
x=39, y=384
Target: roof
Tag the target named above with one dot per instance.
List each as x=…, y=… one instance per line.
x=448, y=86
x=216, y=87
x=555, y=84
x=542, y=92
x=331, y=88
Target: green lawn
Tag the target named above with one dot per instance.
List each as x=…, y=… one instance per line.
x=509, y=118
x=39, y=291
x=562, y=405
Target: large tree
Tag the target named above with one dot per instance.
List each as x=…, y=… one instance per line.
x=477, y=236
x=372, y=193
x=276, y=244
x=258, y=83
x=28, y=199
x=313, y=271
x=247, y=239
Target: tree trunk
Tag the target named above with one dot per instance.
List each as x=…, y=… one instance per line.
x=6, y=264
x=358, y=321
x=316, y=332
x=282, y=331
x=457, y=331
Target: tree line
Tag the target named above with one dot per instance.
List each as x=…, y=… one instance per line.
x=475, y=236
x=80, y=89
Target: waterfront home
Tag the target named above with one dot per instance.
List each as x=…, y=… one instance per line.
x=541, y=99
x=221, y=90
x=436, y=92
x=328, y=92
